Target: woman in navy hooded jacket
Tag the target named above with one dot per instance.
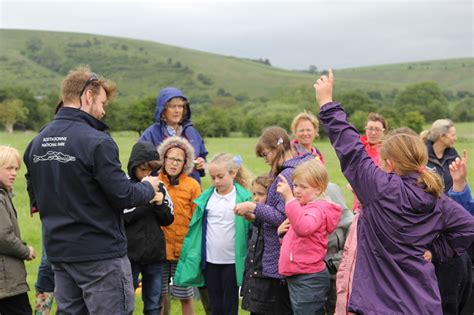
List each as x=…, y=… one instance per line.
x=405, y=212
x=173, y=118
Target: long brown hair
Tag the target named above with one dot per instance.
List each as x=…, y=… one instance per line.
x=408, y=154
x=276, y=139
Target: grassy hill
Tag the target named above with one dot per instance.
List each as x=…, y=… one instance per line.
x=39, y=60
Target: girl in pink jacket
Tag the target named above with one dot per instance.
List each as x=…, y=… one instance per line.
x=310, y=221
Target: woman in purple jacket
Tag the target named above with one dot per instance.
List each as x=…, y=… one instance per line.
x=405, y=213
x=267, y=290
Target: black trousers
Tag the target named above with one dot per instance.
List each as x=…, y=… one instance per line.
x=17, y=304
x=222, y=288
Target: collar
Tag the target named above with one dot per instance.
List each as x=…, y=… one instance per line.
x=172, y=132
x=229, y=197
x=69, y=113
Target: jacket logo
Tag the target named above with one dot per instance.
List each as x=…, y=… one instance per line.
x=53, y=156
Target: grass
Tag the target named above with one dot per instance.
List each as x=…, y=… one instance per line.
x=31, y=229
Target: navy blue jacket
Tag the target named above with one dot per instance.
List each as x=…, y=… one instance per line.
x=75, y=179
x=157, y=132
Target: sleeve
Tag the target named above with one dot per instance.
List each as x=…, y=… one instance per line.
x=356, y=164
x=164, y=212
x=29, y=186
x=457, y=232
x=273, y=214
x=10, y=244
x=120, y=192
x=464, y=198
x=304, y=220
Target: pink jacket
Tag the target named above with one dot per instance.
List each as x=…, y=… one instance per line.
x=346, y=270
x=304, y=245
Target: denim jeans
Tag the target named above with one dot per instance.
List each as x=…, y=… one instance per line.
x=151, y=285
x=45, y=278
x=308, y=292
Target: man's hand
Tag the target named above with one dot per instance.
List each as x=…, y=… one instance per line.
x=199, y=163
x=458, y=170
x=32, y=253
x=284, y=189
x=245, y=208
x=323, y=89
x=153, y=180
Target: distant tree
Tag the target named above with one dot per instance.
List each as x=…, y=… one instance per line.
x=34, y=44
x=414, y=120
x=356, y=101
x=222, y=92
x=12, y=111
x=204, y=79
x=358, y=119
x=464, y=110
x=420, y=94
x=313, y=69
x=141, y=114
x=252, y=127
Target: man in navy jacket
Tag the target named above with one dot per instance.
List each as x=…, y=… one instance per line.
x=74, y=177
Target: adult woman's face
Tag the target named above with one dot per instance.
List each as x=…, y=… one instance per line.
x=449, y=139
x=305, y=133
x=374, y=132
x=174, y=111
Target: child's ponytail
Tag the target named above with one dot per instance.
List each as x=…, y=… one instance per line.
x=234, y=164
x=432, y=182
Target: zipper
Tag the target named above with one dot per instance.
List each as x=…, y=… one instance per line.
x=291, y=255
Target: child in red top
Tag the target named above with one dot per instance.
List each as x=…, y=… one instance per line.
x=311, y=220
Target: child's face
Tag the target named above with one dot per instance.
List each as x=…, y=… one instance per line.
x=221, y=178
x=8, y=174
x=304, y=192
x=174, y=161
x=142, y=171
x=259, y=193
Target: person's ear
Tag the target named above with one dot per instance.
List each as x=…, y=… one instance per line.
x=389, y=166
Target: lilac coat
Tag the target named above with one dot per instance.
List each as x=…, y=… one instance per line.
x=271, y=214
x=399, y=222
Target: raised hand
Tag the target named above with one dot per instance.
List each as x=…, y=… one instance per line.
x=458, y=170
x=283, y=188
x=323, y=88
x=284, y=227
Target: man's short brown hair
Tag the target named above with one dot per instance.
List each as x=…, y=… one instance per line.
x=76, y=80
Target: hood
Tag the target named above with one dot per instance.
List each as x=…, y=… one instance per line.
x=142, y=152
x=421, y=201
x=333, y=213
x=164, y=96
x=173, y=142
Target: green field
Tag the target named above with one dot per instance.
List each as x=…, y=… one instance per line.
x=30, y=226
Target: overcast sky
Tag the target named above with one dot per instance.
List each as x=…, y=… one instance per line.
x=292, y=35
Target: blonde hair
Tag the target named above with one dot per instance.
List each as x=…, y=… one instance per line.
x=438, y=128
x=77, y=79
x=313, y=172
x=276, y=139
x=234, y=164
x=305, y=116
x=8, y=155
x=408, y=154
x=263, y=180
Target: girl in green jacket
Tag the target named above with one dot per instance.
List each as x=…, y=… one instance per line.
x=215, y=247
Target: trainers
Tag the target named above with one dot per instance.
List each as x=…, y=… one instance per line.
x=43, y=303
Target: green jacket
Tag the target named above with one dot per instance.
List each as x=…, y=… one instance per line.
x=188, y=271
x=12, y=250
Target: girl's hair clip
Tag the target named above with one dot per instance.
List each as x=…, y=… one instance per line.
x=238, y=160
x=280, y=141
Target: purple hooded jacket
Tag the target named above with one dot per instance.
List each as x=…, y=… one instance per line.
x=157, y=132
x=399, y=222
x=271, y=214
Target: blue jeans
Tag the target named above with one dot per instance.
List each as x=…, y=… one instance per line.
x=151, y=285
x=45, y=278
x=309, y=292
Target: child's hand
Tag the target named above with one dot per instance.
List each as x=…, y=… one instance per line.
x=245, y=208
x=284, y=227
x=323, y=89
x=158, y=199
x=458, y=170
x=249, y=217
x=428, y=256
x=283, y=188
x=32, y=253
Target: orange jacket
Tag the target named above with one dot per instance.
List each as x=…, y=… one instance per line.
x=182, y=196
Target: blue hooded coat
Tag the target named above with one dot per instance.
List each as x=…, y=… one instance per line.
x=158, y=132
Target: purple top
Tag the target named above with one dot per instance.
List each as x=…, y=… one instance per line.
x=399, y=222
x=271, y=214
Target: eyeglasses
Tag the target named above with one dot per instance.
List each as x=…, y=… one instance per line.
x=265, y=154
x=92, y=78
x=173, y=160
x=374, y=129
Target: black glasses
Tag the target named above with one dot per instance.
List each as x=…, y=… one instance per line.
x=92, y=78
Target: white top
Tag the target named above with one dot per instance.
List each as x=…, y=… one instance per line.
x=220, y=235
